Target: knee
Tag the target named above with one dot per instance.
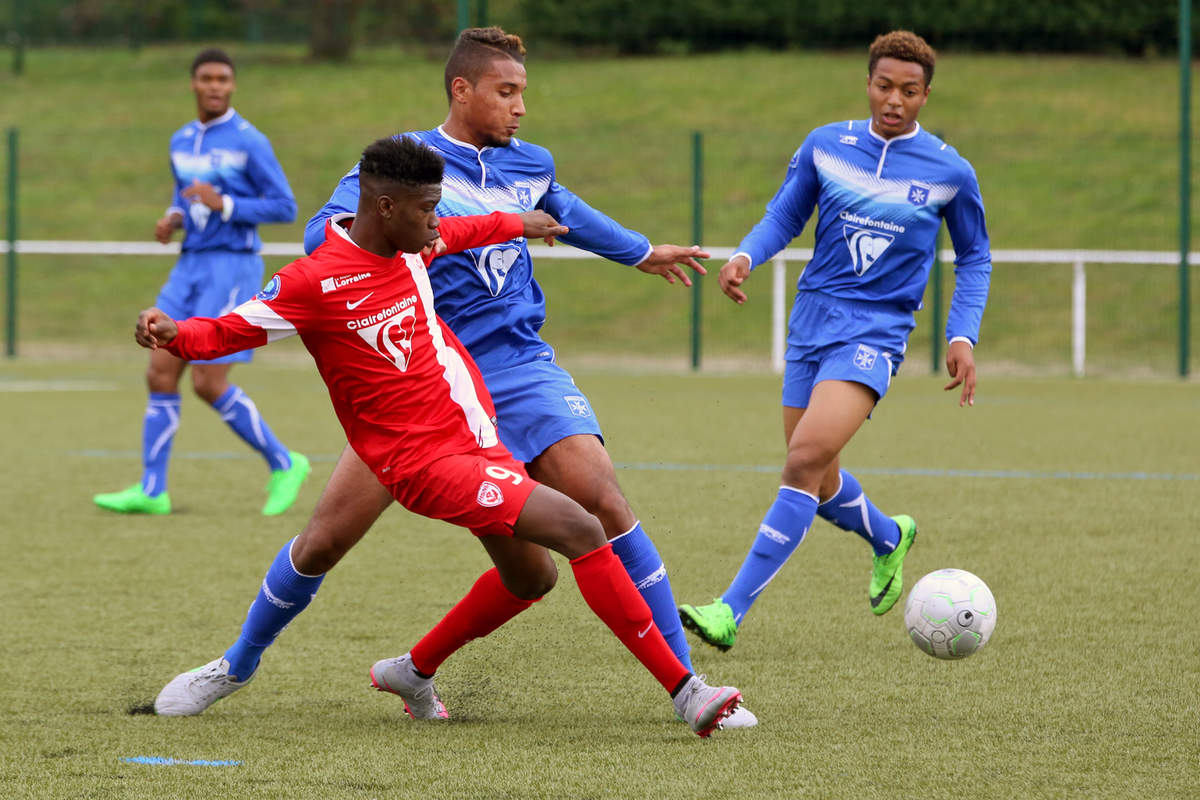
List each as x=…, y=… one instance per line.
x=605, y=501
x=317, y=550
x=207, y=388
x=806, y=467
x=161, y=381
x=535, y=581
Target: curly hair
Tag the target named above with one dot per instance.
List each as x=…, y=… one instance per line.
x=475, y=50
x=213, y=55
x=903, y=46
x=401, y=159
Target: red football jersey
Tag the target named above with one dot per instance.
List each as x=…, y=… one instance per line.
x=402, y=385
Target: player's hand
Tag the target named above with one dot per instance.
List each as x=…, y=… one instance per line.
x=206, y=194
x=154, y=329
x=668, y=259
x=434, y=248
x=960, y=363
x=540, y=225
x=167, y=226
x=732, y=275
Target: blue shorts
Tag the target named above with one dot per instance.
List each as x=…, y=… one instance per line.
x=209, y=283
x=830, y=339
x=538, y=404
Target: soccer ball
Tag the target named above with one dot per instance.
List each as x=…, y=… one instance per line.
x=950, y=614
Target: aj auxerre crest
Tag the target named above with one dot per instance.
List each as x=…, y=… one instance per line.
x=866, y=246
x=864, y=357
x=577, y=404
x=524, y=196
x=494, y=264
x=918, y=195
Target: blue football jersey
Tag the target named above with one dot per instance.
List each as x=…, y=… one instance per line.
x=238, y=161
x=488, y=296
x=881, y=204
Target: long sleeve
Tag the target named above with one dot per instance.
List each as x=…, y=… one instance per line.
x=788, y=210
x=202, y=338
x=275, y=201
x=972, y=262
x=593, y=231
x=344, y=200
x=269, y=316
x=464, y=233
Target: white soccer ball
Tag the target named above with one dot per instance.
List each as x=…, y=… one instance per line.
x=950, y=614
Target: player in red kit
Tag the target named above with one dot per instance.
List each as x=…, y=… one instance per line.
x=416, y=411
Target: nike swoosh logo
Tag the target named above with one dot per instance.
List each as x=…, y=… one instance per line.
x=877, y=599
x=359, y=302
x=641, y=634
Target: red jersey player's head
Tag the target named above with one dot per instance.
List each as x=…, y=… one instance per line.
x=213, y=83
x=485, y=85
x=899, y=75
x=400, y=184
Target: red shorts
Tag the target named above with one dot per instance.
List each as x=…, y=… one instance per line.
x=483, y=491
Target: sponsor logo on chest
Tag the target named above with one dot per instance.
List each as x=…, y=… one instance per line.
x=389, y=331
x=338, y=281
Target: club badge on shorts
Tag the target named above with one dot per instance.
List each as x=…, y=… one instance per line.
x=578, y=405
x=865, y=357
x=489, y=495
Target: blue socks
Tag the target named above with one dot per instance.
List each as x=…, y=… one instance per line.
x=782, y=529
x=239, y=411
x=850, y=510
x=283, y=595
x=158, y=431
x=645, y=567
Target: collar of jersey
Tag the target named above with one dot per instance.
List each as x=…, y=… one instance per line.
x=467, y=145
x=900, y=138
x=228, y=115
x=343, y=233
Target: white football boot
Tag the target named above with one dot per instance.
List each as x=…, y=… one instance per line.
x=192, y=692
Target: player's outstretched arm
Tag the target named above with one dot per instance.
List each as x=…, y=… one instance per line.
x=540, y=225
x=732, y=275
x=154, y=329
x=668, y=260
x=960, y=363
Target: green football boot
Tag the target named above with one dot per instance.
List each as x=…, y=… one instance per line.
x=713, y=623
x=134, y=501
x=284, y=485
x=887, y=573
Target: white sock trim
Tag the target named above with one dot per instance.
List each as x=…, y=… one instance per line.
x=292, y=563
x=636, y=523
x=815, y=499
x=841, y=483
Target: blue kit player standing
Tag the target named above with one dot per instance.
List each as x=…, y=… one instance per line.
x=227, y=182
x=882, y=187
x=489, y=298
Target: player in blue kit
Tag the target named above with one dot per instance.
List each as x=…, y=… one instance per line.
x=490, y=299
x=882, y=187
x=227, y=182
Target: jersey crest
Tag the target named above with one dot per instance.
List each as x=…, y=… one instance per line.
x=866, y=246
x=494, y=263
x=393, y=337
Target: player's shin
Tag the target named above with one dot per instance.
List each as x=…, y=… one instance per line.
x=158, y=432
x=645, y=567
x=851, y=510
x=283, y=595
x=608, y=591
x=783, y=528
x=242, y=416
x=487, y=606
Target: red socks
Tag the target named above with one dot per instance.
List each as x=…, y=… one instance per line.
x=486, y=607
x=608, y=591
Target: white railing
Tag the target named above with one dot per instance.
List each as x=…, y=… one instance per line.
x=780, y=291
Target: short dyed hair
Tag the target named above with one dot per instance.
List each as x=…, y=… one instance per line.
x=476, y=49
x=902, y=46
x=213, y=55
x=403, y=160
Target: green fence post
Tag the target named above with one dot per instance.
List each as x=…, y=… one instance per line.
x=10, y=326
x=697, y=236
x=1185, y=180
x=464, y=15
x=481, y=14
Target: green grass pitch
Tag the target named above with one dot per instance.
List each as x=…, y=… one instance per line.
x=1075, y=501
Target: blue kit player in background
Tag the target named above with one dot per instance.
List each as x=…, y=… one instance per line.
x=882, y=187
x=227, y=182
x=489, y=298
